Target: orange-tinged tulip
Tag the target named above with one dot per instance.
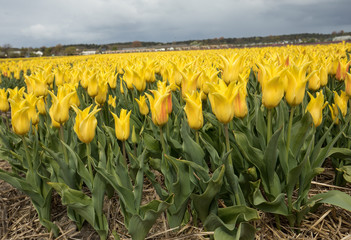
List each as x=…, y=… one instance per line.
x=4, y=103
x=240, y=104
x=315, y=107
x=85, y=123
x=341, y=70
x=193, y=110
x=159, y=107
x=222, y=100
x=348, y=84
x=341, y=101
x=122, y=125
x=143, y=108
x=20, y=121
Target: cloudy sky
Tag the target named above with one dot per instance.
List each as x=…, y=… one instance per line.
x=37, y=23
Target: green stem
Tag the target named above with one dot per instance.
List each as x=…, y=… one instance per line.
x=62, y=138
x=162, y=141
x=29, y=160
x=289, y=131
x=197, y=136
x=89, y=164
x=229, y=170
x=124, y=152
x=269, y=125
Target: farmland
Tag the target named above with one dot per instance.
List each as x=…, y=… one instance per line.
x=220, y=137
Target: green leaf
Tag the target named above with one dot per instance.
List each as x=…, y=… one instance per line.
x=140, y=225
x=151, y=143
x=192, y=151
x=245, y=231
x=203, y=201
x=333, y=197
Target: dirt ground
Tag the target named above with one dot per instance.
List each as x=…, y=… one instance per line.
x=18, y=219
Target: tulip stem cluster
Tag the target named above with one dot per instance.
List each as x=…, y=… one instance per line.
x=90, y=169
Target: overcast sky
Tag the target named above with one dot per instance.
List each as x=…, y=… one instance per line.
x=37, y=23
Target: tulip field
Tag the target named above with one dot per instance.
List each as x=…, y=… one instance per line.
x=221, y=136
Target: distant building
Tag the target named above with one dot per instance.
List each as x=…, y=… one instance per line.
x=342, y=38
x=89, y=52
x=38, y=53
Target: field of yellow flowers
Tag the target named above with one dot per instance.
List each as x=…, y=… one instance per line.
x=231, y=132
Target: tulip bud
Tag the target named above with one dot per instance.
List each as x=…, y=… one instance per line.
x=143, y=108
x=20, y=121
x=85, y=123
x=4, y=103
x=315, y=107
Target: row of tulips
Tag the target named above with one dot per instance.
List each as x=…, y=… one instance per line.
x=213, y=124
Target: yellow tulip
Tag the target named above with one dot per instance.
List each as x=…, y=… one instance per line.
x=4, y=103
x=20, y=121
x=232, y=66
x=272, y=83
x=16, y=94
x=138, y=80
x=128, y=77
x=222, y=100
x=189, y=82
x=41, y=106
x=100, y=98
x=314, y=83
x=112, y=101
x=85, y=123
x=122, y=125
x=59, y=110
x=31, y=102
x=143, y=108
x=159, y=107
x=93, y=86
x=193, y=110
x=315, y=107
x=112, y=80
x=341, y=101
x=295, y=92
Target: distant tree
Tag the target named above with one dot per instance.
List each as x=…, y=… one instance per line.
x=137, y=44
x=70, y=51
x=48, y=51
x=6, y=48
x=57, y=50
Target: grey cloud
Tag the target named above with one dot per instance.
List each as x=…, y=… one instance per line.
x=49, y=22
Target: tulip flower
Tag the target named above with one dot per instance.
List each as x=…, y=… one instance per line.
x=193, y=110
x=41, y=106
x=112, y=80
x=93, y=86
x=31, y=102
x=341, y=70
x=315, y=107
x=341, y=101
x=85, y=123
x=295, y=92
x=272, y=84
x=189, y=82
x=4, y=103
x=128, y=77
x=100, y=98
x=16, y=94
x=222, y=100
x=20, y=121
x=159, y=107
x=315, y=82
x=59, y=110
x=122, y=125
x=240, y=105
x=348, y=84
x=138, y=80
x=232, y=66
x=143, y=108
